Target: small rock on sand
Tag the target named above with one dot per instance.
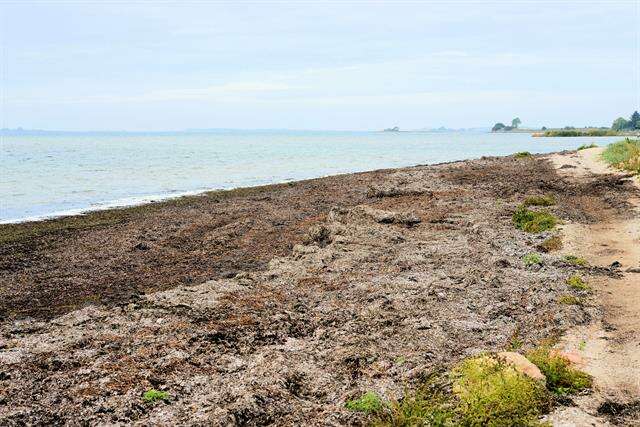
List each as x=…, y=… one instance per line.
x=522, y=364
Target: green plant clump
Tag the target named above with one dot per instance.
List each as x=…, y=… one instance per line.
x=540, y=201
x=586, y=147
x=575, y=260
x=369, y=403
x=152, y=396
x=532, y=259
x=533, y=221
x=569, y=300
x=562, y=378
x=429, y=405
x=523, y=155
x=492, y=393
x=576, y=282
x=624, y=155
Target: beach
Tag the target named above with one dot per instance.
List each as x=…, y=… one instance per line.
x=277, y=304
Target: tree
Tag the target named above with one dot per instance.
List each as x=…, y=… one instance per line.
x=634, y=121
x=516, y=122
x=497, y=127
x=620, y=124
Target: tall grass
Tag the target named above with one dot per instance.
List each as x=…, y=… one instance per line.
x=624, y=155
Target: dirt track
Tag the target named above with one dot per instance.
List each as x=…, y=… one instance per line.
x=343, y=285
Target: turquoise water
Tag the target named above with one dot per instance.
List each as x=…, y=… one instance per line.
x=52, y=175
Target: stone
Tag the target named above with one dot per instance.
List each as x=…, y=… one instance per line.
x=522, y=365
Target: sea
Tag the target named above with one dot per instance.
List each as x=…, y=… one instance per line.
x=45, y=175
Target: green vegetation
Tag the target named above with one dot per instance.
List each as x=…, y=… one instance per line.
x=501, y=127
x=533, y=221
x=369, y=403
x=581, y=132
x=562, y=378
x=152, y=396
x=576, y=282
x=492, y=393
x=429, y=405
x=621, y=124
x=523, y=155
x=540, y=201
x=585, y=146
x=624, y=155
x=480, y=391
x=574, y=260
x=532, y=259
x=569, y=300
x=582, y=345
x=550, y=244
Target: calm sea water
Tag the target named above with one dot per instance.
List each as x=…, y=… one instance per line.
x=51, y=175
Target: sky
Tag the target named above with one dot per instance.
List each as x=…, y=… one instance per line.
x=327, y=65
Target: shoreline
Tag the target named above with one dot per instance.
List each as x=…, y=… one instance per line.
x=285, y=301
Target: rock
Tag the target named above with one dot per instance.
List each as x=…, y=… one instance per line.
x=633, y=270
x=522, y=364
x=142, y=246
x=615, y=264
x=570, y=356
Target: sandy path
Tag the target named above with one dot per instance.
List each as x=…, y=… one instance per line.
x=611, y=347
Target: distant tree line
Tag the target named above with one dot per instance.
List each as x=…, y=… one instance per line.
x=501, y=127
x=623, y=124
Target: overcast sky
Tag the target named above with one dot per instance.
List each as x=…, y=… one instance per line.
x=137, y=65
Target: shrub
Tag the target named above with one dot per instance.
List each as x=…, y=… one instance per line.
x=369, y=403
x=574, y=260
x=531, y=259
x=585, y=146
x=540, y=201
x=492, y=393
x=552, y=243
x=533, y=221
x=523, y=155
x=576, y=282
x=562, y=378
x=152, y=396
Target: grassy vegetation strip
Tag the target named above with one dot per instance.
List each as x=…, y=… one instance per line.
x=479, y=391
x=624, y=155
x=582, y=132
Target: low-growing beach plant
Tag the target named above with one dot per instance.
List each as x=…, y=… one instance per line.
x=532, y=259
x=562, y=378
x=624, y=155
x=369, y=403
x=550, y=244
x=576, y=282
x=429, y=405
x=569, y=300
x=490, y=392
x=523, y=155
x=548, y=200
x=586, y=147
x=575, y=260
x=533, y=221
x=153, y=395
x=582, y=345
